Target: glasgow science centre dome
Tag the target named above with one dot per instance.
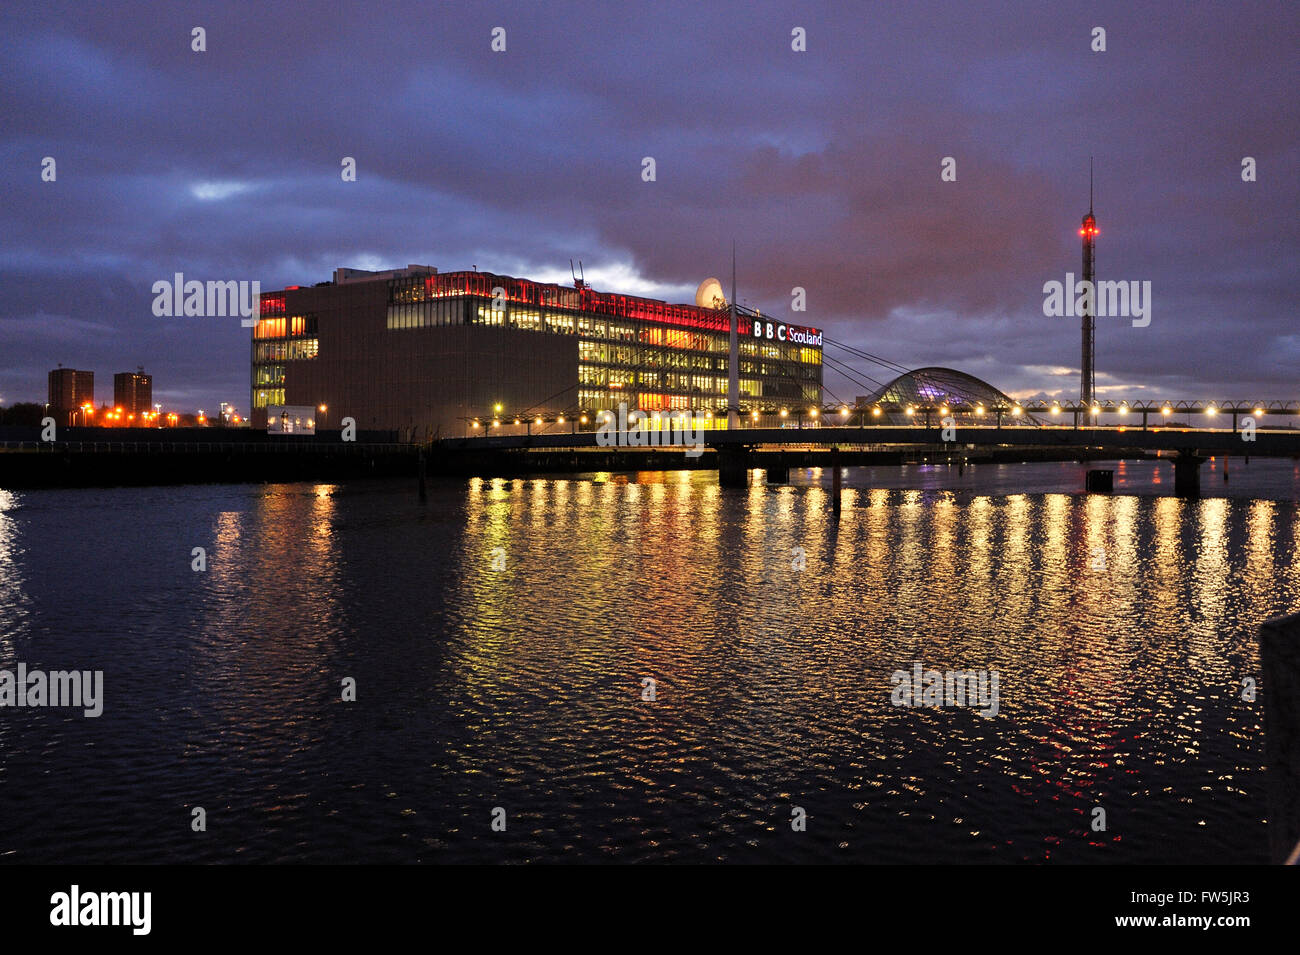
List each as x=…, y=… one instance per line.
x=933, y=387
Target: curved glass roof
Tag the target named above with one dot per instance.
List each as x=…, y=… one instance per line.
x=935, y=386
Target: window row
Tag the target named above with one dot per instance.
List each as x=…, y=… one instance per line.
x=291, y=350
x=262, y=397
x=427, y=314
x=291, y=325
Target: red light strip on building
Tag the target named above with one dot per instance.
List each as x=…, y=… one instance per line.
x=272, y=305
x=525, y=292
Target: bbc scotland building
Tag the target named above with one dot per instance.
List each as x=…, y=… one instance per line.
x=426, y=354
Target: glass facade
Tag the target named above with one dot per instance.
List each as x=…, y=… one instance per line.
x=650, y=354
x=279, y=338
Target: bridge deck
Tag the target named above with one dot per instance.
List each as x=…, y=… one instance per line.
x=1262, y=442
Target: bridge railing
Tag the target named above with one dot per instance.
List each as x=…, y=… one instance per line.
x=213, y=447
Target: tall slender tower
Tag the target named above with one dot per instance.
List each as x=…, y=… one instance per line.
x=1087, y=373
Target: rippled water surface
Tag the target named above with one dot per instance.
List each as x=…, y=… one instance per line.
x=1121, y=629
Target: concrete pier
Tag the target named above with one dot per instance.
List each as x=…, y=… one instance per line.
x=1187, y=474
x=733, y=467
x=1279, y=653
x=778, y=471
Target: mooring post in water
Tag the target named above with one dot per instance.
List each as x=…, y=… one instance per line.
x=1279, y=691
x=1187, y=474
x=424, y=494
x=1225, y=469
x=733, y=466
x=835, y=481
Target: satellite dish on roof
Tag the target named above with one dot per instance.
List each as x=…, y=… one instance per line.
x=709, y=294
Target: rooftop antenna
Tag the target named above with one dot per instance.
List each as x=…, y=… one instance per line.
x=1089, y=185
x=582, y=276
x=733, y=358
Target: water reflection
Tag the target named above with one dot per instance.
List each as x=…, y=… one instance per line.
x=503, y=636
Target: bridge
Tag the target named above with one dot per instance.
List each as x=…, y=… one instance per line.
x=951, y=427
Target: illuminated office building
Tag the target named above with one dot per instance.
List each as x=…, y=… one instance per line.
x=428, y=354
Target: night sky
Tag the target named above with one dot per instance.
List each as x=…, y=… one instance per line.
x=823, y=165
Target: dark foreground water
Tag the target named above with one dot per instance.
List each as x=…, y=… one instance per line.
x=500, y=635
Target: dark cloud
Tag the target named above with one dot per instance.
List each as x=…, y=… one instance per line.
x=823, y=166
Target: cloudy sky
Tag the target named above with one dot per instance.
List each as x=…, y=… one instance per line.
x=823, y=165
